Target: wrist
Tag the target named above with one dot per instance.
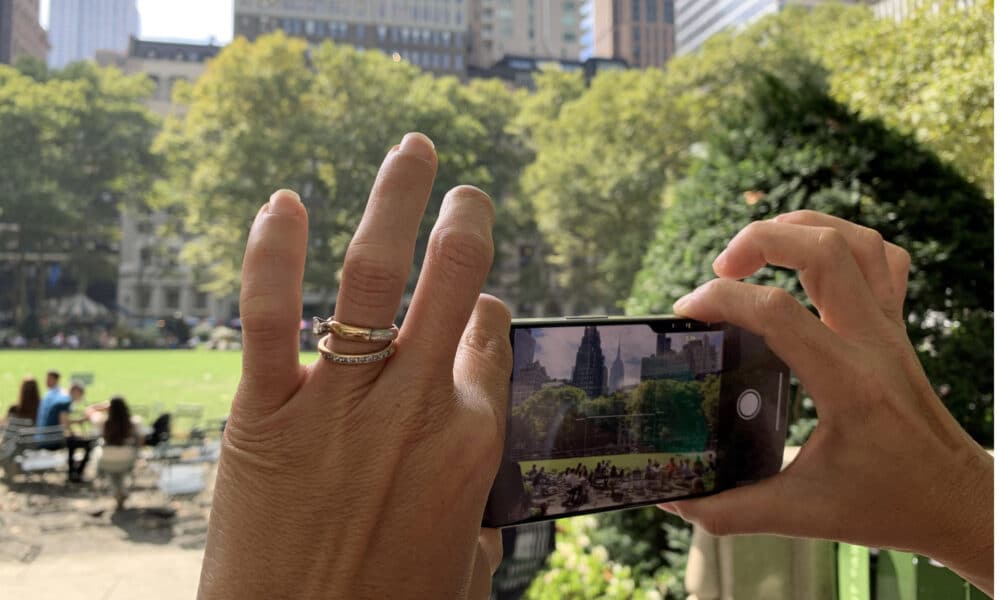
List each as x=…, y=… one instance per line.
x=964, y=541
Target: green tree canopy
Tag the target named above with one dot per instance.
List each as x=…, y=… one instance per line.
x=272, y=114
x=74, y=145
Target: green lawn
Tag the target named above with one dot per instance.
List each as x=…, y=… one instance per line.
x=149, y=377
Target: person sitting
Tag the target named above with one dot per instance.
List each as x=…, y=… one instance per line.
x=119, y=432
x=54, y=410
x=699, y=467
x=27, y=401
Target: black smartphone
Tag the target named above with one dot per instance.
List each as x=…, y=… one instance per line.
x=608, y=413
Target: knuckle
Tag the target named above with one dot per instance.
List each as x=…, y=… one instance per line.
x=371, y=282
x=775, y=304
x=460, y=252
x=265, y=321
x=831, y=243
x=495, y=349
x=872, y=241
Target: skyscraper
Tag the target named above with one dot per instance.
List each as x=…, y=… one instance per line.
x=431, y=34
x=527, y=28
x=698, y=20
x=79, y=28
x=617, y=376
x=589, y=372
x=20, y=32
x=639, y=31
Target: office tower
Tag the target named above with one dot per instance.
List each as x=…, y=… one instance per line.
x=639, y=31
x=20, y=32
x=431, y=34
x=524, y=28
x=79, y=28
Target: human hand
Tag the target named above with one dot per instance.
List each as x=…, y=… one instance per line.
x=366, y=481
x=887, y=465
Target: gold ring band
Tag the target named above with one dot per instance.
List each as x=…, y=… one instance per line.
x=352, y=332
x=354, y=359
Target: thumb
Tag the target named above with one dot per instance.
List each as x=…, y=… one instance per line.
x=484, y=356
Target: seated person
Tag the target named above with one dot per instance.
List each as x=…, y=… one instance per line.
x=55, y=410
x=27, y=401
x=119, y=432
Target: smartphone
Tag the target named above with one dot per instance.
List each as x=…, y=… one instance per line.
x=607, y=413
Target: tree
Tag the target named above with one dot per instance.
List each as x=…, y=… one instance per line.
x=596, y=179
x=74, y=149
x=789, y=146
x=272, y=114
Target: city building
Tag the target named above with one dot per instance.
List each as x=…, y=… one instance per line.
x=535, y=28
x=589, y=372
x=901, y=9
x=519, y=71
x=587, y=30
x=698, y=20
x=640, y=31
x=697, y=358
x=152, y=282
x=79, y=28
x=20, y=32
x=617, y=376
x=431, y=34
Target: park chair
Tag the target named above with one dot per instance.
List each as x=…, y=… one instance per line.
x=190, y=414
x=33, y=450
x=116, y=464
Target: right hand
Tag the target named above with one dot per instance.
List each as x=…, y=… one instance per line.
x=887, y=465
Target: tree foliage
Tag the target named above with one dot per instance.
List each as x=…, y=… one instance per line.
x=272, y=114
x=788, y=145
x=74, y=148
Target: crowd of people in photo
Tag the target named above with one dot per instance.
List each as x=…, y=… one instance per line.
x=608, y=483
x=107, y=424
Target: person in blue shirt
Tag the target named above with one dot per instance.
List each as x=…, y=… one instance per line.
x=54, y=410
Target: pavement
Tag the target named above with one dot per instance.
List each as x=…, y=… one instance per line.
x=67, y=541
x=135, y=574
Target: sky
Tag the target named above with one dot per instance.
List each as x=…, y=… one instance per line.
x=556, y=347
x=179, y=20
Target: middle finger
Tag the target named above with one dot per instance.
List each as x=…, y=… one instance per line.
x=379, y=258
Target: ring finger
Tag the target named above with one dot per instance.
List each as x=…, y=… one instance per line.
x=379, y=258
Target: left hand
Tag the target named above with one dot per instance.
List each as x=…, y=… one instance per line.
x=366, y=480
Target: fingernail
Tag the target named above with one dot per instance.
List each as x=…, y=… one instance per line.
x=284, y=202
x=719, y=261
x=418, y=145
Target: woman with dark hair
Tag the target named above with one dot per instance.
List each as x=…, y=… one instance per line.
x=120, y=447
x=28, y=400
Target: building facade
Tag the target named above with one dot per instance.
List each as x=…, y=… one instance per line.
x=20, y=32
x=78, y=29
x=535, y=28
x=616, y=378
x=152, y=282
x=639, y=31
x=698, y=20
x=589, y=372
x=901, y=9
x=431, y=34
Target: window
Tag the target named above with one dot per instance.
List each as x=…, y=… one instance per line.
x=651, y=11
x=145, y=256
x=635, y=10
x=668, y=11
x=173, y=298
x=381, y=33
x=569, y=36
x=143, y=297
x=201, y=300
x=310, y=27
x=359, y=31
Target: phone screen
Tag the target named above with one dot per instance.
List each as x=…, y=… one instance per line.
x=603, y=416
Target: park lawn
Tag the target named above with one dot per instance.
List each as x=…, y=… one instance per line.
x=159, y=379
x=631, y=461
